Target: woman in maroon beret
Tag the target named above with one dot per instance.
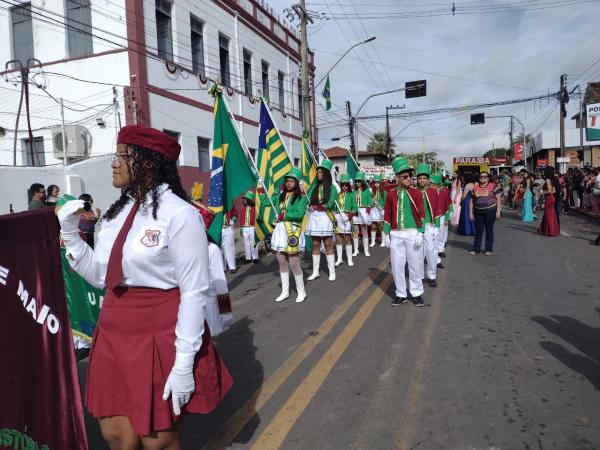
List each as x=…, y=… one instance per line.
x=152, y=358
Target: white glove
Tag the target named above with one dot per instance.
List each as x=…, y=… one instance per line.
x=69, y=218
x=386, y=240
x=418, y=239
x=180, y=384
x=231, y=223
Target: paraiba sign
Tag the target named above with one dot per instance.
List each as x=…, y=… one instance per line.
x=592, y=129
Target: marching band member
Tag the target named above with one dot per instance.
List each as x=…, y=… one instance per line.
x=287, y=239
x=228, y=240
x=321, y=221
x=152, y=357
x=445, y=210
x=247, y=220
x=430, y=198
x=347, y=208
x=379, y=196
x=364, y=202
x=218, y=306
x=403, y=214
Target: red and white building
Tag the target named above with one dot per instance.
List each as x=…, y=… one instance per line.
x=161, y=56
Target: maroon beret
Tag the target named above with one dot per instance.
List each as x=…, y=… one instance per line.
x=151, y=139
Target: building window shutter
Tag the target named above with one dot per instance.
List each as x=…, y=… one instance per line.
x=79, y=27
x=163, y=29
x=22, y=32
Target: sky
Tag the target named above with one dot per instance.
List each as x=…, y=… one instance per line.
x=480, y=57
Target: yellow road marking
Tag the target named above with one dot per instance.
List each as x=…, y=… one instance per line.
x=275, y=433
x=385, y=385
x=262, y=395
x=408, y=420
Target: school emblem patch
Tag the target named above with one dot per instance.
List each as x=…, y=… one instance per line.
x=150, y=238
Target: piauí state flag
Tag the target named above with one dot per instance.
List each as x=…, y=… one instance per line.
x=273, y=165
x=327, y=95
x=231, y=173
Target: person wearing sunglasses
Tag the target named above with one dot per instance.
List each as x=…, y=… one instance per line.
x=404, y=215
x=484, y=208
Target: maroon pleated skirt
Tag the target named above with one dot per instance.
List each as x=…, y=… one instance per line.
x=131, y=358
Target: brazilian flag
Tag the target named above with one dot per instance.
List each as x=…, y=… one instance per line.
x=273, y=165
x=231, y=173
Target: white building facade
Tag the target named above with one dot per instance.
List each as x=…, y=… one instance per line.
x=150, y=62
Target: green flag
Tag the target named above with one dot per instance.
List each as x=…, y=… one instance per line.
x=327, y=95
x=84, y=301
x=231, y=173
x=351, y=167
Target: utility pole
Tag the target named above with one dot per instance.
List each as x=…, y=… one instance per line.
x=300, y=10
x=563, y=80
x=350, y=125
x=388, y=139
x=510, y=137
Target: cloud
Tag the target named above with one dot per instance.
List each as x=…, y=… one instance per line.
x=518, y=54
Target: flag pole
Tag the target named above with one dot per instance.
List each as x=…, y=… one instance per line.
x=245, y=147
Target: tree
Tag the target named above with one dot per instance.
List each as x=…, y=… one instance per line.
x=377, y=145
x=430, y=158
x=519, y=138
x=498, y=152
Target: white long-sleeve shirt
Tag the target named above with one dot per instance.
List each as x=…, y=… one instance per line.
x=169, y=252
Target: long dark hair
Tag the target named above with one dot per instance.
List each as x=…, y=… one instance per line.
x=550, y=173
x=297, y=193
x=326, y=182
x=149, y=170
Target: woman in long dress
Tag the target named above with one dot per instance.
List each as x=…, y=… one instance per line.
x=527, y=211
x=456, y=197
x=549, y=225
x=466, y=226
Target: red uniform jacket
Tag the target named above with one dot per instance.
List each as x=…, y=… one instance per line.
x=417, y=206
x=242, y=216
x=431, y=196
x=444, y=200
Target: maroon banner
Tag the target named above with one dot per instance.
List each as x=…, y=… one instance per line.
x=39, y=389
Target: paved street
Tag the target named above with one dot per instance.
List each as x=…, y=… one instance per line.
x=505, y=354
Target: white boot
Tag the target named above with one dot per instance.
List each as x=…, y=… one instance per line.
x=331, y=267
x=315, y=272
x=382, y=239
x=300, y=288
x=349, y=255
x=373, y=236
x=285, y=287
x=339, y=250
x=366, y=246
x=355, y=239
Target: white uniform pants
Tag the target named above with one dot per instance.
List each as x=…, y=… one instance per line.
x=228, y=247
x=443, y=236
x=430, y=254
x=402, y=251
x=250, y=247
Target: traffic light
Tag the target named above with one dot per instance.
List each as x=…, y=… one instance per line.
x=477, y=118
x=414, y=89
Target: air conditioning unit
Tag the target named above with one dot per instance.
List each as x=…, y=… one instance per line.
x=79, y=141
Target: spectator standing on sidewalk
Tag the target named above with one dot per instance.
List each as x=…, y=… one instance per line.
x=38, y=195
x=484, y=209
x=53, y=192
x=88, y=220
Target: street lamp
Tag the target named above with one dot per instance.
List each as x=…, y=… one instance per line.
x=364, y=41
